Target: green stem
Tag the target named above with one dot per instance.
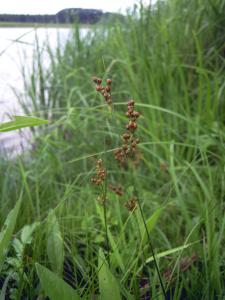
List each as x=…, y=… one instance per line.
x=152, y=249
x=106, y=230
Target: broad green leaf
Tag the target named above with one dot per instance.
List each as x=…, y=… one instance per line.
x=21, y=122
x=8, y=228
x=18, y=246
x=27, y=231
x=108, y=285
x=55, y=245
x=54, y=287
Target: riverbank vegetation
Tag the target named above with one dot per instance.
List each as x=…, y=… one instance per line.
x=168, y=194
x=66, y=16
x=33, y=25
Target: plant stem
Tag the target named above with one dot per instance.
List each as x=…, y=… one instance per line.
x=152, y=249
x=104, y=207
x=106, y=231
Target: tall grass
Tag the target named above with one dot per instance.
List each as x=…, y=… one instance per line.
x=170, y=59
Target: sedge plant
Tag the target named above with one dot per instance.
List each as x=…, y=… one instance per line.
x=126, y=154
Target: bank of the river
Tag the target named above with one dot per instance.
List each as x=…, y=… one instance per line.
x=17, y=58
x=41, y=25
x=35, y=25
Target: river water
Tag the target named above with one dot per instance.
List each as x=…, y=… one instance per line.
x=16, y=50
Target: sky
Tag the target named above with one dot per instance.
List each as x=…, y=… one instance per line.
x=53, y=6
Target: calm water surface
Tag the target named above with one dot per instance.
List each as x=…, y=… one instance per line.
x=16, y=50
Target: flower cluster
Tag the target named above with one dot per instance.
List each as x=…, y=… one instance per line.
x=132, y=115
x=116, y=189
x=129, y=140
x=100, y=173
x=104, y=90
x=127, y=150
x=131, y=204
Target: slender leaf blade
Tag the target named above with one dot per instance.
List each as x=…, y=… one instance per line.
x=19, y=122
x=150, y=223
x=167, y=252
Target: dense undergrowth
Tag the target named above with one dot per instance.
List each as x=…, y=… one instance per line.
x=170, y=60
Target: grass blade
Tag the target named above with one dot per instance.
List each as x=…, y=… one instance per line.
x=21, y=122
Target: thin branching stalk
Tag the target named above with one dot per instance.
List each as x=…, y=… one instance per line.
x=152, y=249
x=105, y=211
x=105, y=223
x=106, y=233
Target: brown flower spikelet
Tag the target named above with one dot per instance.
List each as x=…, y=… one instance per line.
x=118, y=190
x=131, y=204
x=104, y=90
x=128, y=148
x=100, y=173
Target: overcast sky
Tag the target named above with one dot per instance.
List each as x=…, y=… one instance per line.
x=53, y=6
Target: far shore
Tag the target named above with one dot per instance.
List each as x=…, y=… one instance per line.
x=41, y=25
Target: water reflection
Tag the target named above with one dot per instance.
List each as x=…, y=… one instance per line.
x=16, y=50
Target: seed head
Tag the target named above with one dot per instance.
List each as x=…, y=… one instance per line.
x=100, y=173
x=107, y=88
x=105, y=91
x=116, y=189
x=130, y=103
x=131, y=204
x=97, y=80
x=131, y=126
x=98, y=88
x=126, y=136
x=128, y=149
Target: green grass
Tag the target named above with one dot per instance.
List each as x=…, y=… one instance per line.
x=170, y=60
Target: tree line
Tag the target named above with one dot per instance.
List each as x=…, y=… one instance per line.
x=64, y=16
